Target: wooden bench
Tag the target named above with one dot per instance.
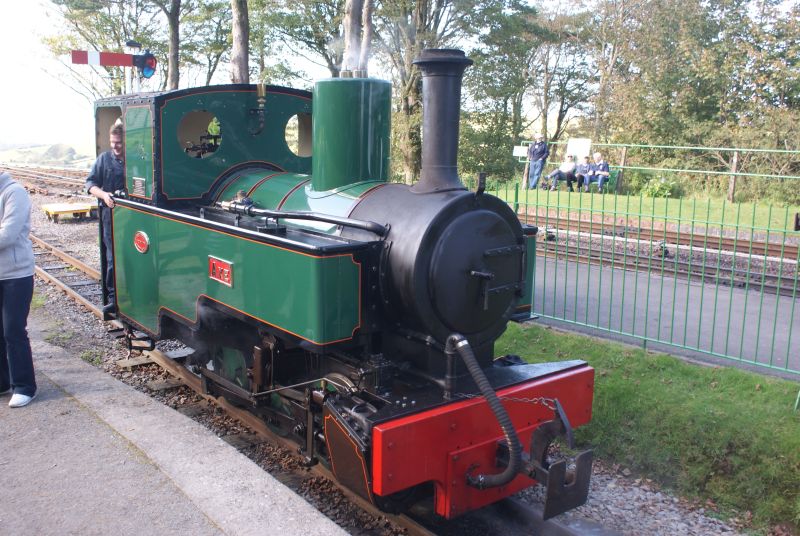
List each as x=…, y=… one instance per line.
x=611, y=184
x=78, y=211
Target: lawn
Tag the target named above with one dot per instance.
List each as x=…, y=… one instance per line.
x=760, y=216
x=714, y=433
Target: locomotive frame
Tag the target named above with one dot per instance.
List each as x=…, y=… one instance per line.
x=356, y=316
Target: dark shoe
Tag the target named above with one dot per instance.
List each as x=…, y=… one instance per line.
x=6, y=392
x=109, y=309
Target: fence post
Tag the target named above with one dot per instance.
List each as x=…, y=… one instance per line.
x=621, y=174
x=732, y=179
x=516, y=198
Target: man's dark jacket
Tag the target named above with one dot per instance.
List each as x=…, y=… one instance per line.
x=538, y=151
x=107, y=173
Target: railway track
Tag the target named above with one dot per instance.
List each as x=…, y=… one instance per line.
x=709, y=273
x=68, y=180
x=82, y=284
x=78, y=280
x=723, y=244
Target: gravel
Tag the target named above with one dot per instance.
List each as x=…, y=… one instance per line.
x=617, y=499
x=638, y=506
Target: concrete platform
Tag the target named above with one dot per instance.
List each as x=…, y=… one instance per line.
x=91, y=455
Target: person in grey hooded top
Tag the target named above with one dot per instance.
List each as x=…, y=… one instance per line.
x=16, y=292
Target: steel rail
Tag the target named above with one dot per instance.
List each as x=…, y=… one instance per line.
x=727, y=276
x=33, y=174
x=77, y=263
x=772, y=249
x=724, y=244
x=69, y=291
x=91, y=273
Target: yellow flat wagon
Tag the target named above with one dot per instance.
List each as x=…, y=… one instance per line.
x=78, y=211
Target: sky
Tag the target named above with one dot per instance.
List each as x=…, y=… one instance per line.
x=35, y=106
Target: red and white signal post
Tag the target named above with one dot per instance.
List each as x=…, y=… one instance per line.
x=146, y=63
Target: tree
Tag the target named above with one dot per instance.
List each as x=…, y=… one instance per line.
x=313, y=29
x=207, y=40
x=614, y=25
x=358, y=30
x=498, y=90
x=563, y=71
x=530, y=68
x=172, y=11
x=404, y=28
x=240, y=73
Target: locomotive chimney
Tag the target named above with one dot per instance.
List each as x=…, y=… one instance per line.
x=442, y=71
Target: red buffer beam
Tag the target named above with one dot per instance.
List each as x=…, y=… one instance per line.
x=107, y=59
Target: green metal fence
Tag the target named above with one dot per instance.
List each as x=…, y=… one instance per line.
x=700, y=276
x=737, y=173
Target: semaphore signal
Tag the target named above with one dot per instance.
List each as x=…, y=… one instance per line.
x=146, y=63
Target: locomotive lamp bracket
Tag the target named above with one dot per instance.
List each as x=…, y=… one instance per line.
x=258, y=113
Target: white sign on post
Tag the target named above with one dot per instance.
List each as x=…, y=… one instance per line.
x=521, y=151
x=579, y=147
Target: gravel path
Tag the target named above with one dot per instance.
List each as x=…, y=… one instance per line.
x=617, y=500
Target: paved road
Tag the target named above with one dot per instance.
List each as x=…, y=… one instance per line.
x=705, y=318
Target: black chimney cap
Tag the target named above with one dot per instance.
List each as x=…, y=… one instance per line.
x=448, y=55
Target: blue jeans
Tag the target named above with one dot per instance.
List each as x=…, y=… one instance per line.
x=534, y=173
x=16, y=361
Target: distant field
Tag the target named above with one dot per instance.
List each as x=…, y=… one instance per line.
x=58, y=155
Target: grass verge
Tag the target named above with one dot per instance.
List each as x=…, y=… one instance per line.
x=707, y=432
x=38, y=301
x=762, y=216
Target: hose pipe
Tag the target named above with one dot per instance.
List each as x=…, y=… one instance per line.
x=457, y=343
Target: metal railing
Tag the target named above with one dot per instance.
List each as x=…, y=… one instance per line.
x=708, y=277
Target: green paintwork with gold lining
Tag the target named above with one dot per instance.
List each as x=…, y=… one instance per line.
x=139, y=151
x=242, y=137
x=313, y=297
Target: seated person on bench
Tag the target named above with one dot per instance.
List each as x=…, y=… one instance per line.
x=585, y=173
x=565, y=171
x=601, y=171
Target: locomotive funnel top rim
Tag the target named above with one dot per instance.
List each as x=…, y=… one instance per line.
x=443, y=55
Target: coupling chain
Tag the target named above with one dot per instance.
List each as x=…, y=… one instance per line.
x=549, y=403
